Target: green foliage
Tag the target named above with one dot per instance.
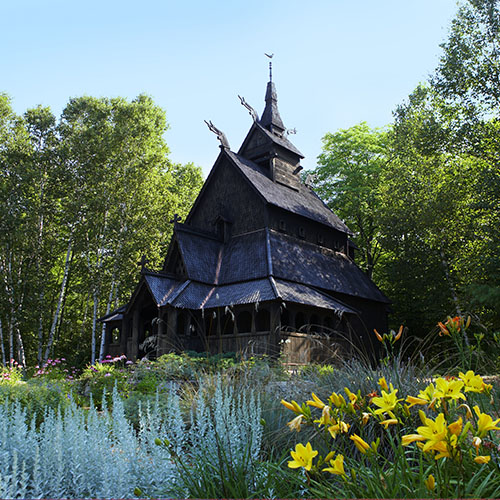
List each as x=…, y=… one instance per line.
x=37, y=397
x=347, y=178
x=82, y=198
x=100, y=379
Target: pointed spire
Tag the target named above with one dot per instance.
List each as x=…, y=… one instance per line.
x=271, y=118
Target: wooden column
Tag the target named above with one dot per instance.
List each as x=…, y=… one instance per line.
x=171, y=338
x=124, y=334
x=161, y=346
x=134, y=344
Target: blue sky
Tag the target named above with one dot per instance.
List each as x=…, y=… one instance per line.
x=336, y=63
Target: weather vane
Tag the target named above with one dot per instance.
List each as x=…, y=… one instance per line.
x=270, y=66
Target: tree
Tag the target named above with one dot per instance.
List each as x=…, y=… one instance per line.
x=80, y=201
x=347, y=178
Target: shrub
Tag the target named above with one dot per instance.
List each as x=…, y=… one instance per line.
x=99, y=379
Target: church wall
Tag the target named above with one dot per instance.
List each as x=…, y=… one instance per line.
x=372, y=315
x=228, y=195
x=306, y=229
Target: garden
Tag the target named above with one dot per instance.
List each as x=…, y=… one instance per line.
x=198, y=426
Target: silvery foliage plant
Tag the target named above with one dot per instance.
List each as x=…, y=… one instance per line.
x=85, y=453
x=88, y=453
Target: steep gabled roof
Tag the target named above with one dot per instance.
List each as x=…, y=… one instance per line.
x=201, y=254
x=281, y=141
x=304, y=202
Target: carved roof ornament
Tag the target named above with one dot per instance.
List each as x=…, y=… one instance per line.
x=252, y=111
x=221, y=136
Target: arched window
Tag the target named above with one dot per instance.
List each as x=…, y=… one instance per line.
x=263, y=321
x=328, y=324
x=285, y=318
x=314, y=320
x=244, y=322
x=300, y=320
x=227, y=324
x=181, y=323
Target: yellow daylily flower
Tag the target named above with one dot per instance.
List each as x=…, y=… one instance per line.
x=316, y=402
x=410, y=438
x=449, y=389
x=485, y=423
x=339, y=427
x=295, y=423
x=456, y=427
x=472, y=382
x=360, y=444
x=337, y=400
x=387, y=402
x=430, y=482
x=294, y=406
x=433, y=431
x=415, y=401
x=383, y=383
x=365, y=417
x=390, y=421
x=429, y=394
x=337, y=466
x=482, y=459
x=302, y=456
x=352, y=397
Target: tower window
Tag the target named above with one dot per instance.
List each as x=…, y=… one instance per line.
x=302, y=232
x=320, y=238
x=282, y=225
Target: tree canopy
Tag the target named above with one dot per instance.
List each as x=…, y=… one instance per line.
x=83, y=198
x=423, y=196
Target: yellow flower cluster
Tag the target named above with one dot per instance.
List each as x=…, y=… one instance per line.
x=453, y=430
x=445, y=439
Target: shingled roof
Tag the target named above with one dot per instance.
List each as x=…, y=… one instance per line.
x=303, y=202
x=264, y=253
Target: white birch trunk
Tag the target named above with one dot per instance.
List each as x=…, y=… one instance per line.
x=11, y=341
x=59, y=302
x=20, y=348
x=94, y=325
x=108, y=309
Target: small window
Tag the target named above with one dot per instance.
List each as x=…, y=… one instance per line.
x=282, y=225
x=320, y=238
x=115, y=336
x=302, y=232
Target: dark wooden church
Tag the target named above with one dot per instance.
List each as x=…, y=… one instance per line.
x=260, y=265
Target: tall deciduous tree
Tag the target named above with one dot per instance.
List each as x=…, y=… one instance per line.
x=80, y=201
x=347, y=178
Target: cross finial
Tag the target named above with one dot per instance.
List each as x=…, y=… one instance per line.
x=176, y=219
x=143, y=263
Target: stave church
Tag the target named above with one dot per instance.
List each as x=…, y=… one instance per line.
x=260, y=266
